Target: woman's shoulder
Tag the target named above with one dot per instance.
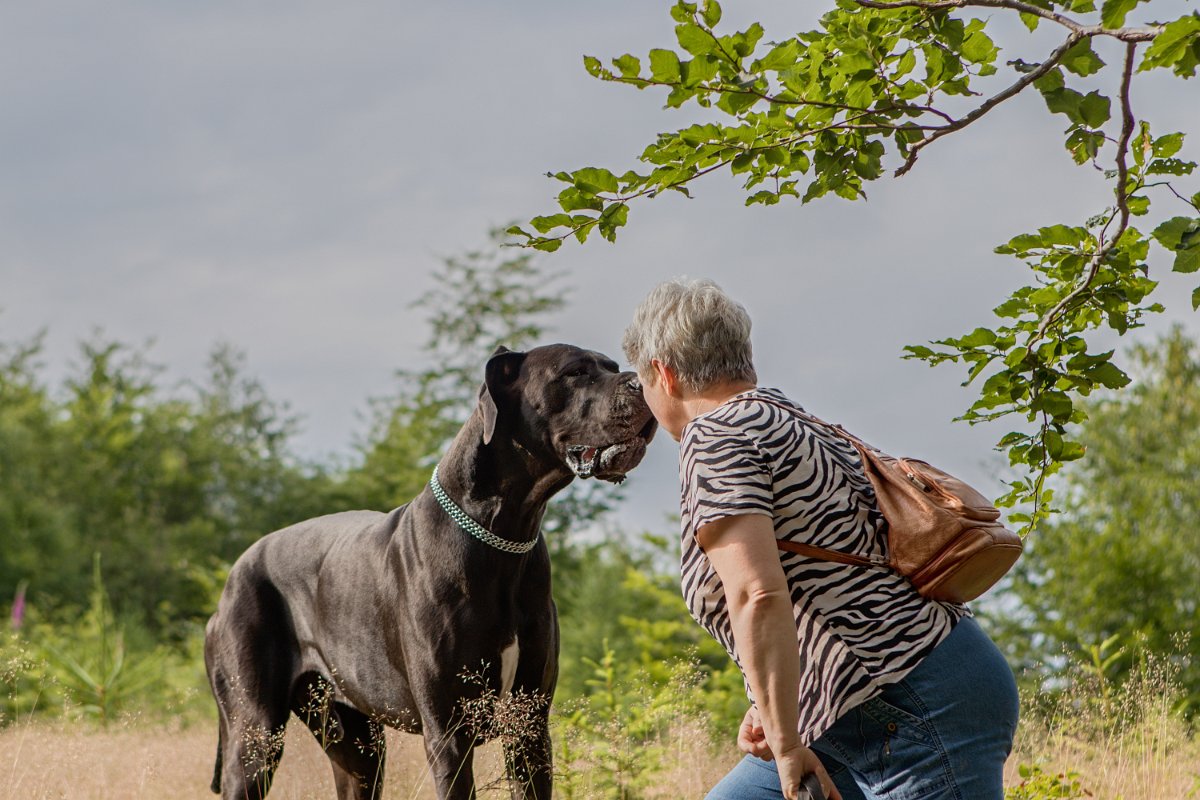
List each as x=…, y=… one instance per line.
x=753, y=406
x=742, y=416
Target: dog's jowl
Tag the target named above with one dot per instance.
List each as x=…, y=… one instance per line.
x=431, y=617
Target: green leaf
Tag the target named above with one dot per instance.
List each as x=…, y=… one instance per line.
x=1177, y=232
x=1196, y=299
x=734, y=103
x=593, y=66
x=1170, y=166
x=1174, y=47
x=572, y=199
x=546, y=245
x=1064, y=101
x=712, y=13
x=980, y=337
x=1082, y=59
x=1031, y=20
x=613, y=217
x=1094, y=109
x=744, y=43
x=1071, y=451
x=1051, y=81
x=682, y=12
x=595, y=179
x=1057, y=404
x=1187, y=260
x=664, y=65
x=781, y=56
x=1054, y=444
x=1084, y=144
x=548, y=223
x=694, y=39
x=1112, y=13
x=978, y=48
x=1168, y=145
x=1108, y=375
x=699, y=70
x=629, y=65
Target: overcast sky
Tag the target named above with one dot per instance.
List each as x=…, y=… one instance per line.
x=285, y=177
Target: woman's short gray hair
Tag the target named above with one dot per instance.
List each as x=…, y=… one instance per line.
x=696, y=329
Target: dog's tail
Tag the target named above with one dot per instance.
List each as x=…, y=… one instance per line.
x=216, y=781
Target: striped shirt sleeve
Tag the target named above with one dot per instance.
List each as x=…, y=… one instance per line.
x=725, y=475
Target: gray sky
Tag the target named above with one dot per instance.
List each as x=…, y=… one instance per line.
x=284, y=177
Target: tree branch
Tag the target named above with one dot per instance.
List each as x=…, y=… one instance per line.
x=1127, y=123
x=1124, y=34
x=993, y=101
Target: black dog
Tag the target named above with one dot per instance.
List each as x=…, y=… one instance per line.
x=364, y=619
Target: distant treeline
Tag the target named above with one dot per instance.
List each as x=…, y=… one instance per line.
x=169, y=482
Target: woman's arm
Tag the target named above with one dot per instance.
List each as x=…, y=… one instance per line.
x=743, y=552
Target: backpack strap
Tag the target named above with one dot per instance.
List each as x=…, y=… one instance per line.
x=812, y=551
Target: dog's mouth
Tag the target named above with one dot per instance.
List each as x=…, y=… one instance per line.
x=610, y=462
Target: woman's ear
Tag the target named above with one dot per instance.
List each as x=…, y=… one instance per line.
x=665, y=377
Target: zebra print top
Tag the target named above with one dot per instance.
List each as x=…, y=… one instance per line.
x=858, y=628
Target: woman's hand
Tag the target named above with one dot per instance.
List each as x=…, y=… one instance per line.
x=797, y=762
x=752, y=739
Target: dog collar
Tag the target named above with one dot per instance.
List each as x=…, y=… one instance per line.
x=471, y=526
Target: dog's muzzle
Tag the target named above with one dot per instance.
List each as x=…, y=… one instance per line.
x=610, y=462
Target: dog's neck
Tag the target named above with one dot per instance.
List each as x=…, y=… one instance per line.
x=501, y=485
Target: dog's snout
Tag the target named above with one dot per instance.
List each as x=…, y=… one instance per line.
x=633, y=384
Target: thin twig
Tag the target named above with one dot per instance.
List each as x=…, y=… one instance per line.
x=993, y=101
x=1124, y=34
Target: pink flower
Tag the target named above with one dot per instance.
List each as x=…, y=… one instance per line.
x=18, y=608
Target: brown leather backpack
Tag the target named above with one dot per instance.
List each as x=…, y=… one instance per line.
x=943, y=535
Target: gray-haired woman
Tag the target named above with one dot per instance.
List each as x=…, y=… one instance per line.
x=851, y=674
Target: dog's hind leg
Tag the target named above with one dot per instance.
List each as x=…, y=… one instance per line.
x=250, y=742
x=249, y=660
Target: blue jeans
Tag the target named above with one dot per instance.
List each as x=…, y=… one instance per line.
x=942, y=733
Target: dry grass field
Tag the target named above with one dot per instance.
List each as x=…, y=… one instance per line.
x=132, y=759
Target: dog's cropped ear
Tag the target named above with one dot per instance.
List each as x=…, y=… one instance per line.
x=498, y=374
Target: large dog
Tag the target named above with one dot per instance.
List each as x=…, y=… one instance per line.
x=363, y=619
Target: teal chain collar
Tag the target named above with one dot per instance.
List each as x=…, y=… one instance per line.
x=471, y=526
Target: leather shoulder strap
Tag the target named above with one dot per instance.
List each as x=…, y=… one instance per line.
x=813, y=551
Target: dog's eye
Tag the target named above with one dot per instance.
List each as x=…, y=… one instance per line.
x=577, y=372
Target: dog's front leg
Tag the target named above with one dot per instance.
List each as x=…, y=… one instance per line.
x=529, y=761
x=450, y=753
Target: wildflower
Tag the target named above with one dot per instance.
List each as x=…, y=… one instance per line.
x=18, y=607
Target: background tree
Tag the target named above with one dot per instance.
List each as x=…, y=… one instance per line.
x=1124, y=559
x=882, y=81
x=162, y=485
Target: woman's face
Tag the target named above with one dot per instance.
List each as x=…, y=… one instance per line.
x=667, y=408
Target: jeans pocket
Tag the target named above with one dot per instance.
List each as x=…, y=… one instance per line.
x=893, y=722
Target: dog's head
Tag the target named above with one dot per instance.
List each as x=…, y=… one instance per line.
x=568, y=405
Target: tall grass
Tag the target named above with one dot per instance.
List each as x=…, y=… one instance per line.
x=625, y=741
x=1127, y=741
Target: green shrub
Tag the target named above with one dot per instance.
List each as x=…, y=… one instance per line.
x=1038, y=785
